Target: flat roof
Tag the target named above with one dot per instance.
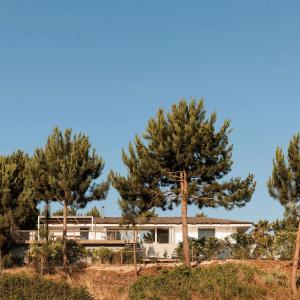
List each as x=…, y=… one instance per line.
x=171, y=220
x=143, y=220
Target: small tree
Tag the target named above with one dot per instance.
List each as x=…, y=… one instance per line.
x=65, y=171
x=182, y=161
x=284, y=186
x=72, y=211
x=94, y=212
x=130, y=214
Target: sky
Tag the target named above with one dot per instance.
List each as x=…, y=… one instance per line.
x=105, y=67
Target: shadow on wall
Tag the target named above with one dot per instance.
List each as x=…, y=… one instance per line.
x=151, y=252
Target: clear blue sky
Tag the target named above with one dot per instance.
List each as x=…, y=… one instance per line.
x=104, y=67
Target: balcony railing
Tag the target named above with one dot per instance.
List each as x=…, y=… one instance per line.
x=28, y=236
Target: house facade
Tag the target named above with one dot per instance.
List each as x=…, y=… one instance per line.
x=158, y=236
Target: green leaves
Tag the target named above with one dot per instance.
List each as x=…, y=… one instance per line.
x=284, y=183
x=17, y=208
x=184, y=139
x=66, y=170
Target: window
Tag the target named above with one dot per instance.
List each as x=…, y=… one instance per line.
x=147, y=236
x=206, y=233
x=84, y=233
x=162, y=236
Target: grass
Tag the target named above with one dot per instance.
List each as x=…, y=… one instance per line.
x=25, y=287
x=226, y=282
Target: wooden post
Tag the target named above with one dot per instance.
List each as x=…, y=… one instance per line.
x=295, y=265
x=121, y=257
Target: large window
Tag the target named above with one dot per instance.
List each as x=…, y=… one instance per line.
x=147, y=236
x=206, y=233
x=162, y=236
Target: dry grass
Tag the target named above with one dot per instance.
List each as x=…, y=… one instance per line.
x=111, y=282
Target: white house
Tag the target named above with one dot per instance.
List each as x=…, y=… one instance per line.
x=157, y=235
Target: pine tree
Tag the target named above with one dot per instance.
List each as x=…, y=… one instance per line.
x=17, y=208
x=284, y=186
x=181, y=160
x=65, y=170
x=94, y=212
x=130, y=215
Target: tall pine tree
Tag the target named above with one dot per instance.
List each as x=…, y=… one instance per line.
x=181, y=160
x=284, y=186
x=65, y=171
x=17, y=208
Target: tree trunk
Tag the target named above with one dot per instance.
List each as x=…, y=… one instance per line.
x=134, y=252
x=185, y=240
x=295, y=265
x=47, y=236
x=0, y=260
x=64, y=238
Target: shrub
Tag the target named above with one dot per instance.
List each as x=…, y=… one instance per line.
x=229, y=281
x=206, y=248
x=103, y=255
x=21, y=286
x=10, y=260
x=283, y=244
x=39, y=253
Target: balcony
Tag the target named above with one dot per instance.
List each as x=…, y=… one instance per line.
x=85, y=237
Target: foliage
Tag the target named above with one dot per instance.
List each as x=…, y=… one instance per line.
x=206, y=248
x=229, y=281
x=103, y=255
x=52, y=250
x=21, y=286
x=72, y=211
x=65, y=171
x=241, y=245
x=201, y=215
x=284, y=182
x=10, y=260
x=17, y=209
x=182, y=161
x=265, y=241
x=149, y=213
x=94, y=212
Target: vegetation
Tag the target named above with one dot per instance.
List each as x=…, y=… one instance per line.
x=72, y=211
x=229, y=281
x=206, y=248
x=182, y=161
x=17, y=209
x=284, y=186
x=51, y=252
x=21, y=286
x=65, y=171
x=103, y=255
x=94, y=212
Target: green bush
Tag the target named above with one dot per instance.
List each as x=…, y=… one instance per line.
x=228, y=281
x=103, y=255
x=10, y=260
x=206, y=248
x=39, y=253
x=23, y=287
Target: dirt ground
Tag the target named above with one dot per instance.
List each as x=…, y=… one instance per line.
x=111, y=282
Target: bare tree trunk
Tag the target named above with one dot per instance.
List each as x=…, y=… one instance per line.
x=0, y=260
x=134, y=252
x=295, y=265
x=47, y=236
x=64, y=238
x=185, y=240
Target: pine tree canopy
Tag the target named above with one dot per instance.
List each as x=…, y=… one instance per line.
x=284, y=183
x=66, y=170
x=17, y=209
x=182, y=140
